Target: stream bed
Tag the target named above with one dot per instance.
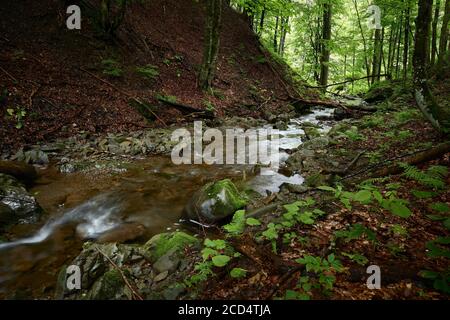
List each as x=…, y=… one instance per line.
x=132, y=205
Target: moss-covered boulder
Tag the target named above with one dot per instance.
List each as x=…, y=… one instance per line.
x=109, y=286
x=163, y=243
x=215, y=201
x=380, y=91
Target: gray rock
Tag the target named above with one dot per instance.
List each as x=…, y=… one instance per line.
x=161, y=276
x=14, y=195
x=317, y=143
x=168, y=262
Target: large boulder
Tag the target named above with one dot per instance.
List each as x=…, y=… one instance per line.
x=14, y=195
x=215, y=201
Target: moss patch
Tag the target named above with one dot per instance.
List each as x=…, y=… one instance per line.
x=162, y=243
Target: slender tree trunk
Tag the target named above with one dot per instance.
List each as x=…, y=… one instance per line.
x=444, y=34
x=212, y=41
x=376, y=56
x=275, y=36
x=261, y=21
x=326, y=37
x=406, y=43
x=434, y=33
x=366, y=60
x=422, y=92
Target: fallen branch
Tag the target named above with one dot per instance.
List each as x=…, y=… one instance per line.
x=9, y=75
x=344, y=82
x=384, y=168
x=185, y=108
x=348, y=168
x=135, y=99
x=125, y=279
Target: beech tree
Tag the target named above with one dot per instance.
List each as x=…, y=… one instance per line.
x=212, y=42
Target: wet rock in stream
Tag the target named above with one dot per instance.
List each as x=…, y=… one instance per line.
x=215, y=201
x=22, y=206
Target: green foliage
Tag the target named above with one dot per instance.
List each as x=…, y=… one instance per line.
x=237, y=225
x=112, y=68
x=403, y=117
x=216, y=253
x=353, y=134
x=321, y=276
x=433, y=177
x=238, y=273
x=423, y=194
x=252, y=222
x=441, y=280
x=18, y=114
x=439, y=247
x=149, y=71
x=209, y=106
x=355, y=232
x=357, y=258
x=168, y=98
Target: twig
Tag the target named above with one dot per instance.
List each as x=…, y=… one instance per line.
x=125, y=279
x=283, y=281
x=9, y=75
x=137, y=100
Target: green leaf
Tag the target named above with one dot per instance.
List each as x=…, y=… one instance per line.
x=238, y=273
x=363, y=196
x=237, y=225
x=429, y=274
x=377, y=195
x=221, y=260
x=208, y=252
x=447, y=223
x=253, y=222
x=423, y=194
x=440, y=207
x=399, y=209
x=327, y=188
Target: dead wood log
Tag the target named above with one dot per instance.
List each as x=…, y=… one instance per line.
x=188, y=109
x=418, y=158
x=388, y=167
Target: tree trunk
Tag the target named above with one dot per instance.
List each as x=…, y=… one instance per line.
x=406, y=43
x=434, y=33
x=376, y=56
x=366, y=60
x=212, y=41
x=444, y=34
x=326, y=37
x=275, y=36
x=422, y=92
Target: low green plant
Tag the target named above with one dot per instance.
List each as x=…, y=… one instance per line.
x=18, y=114
x=355, y=232
x=357, y=258
x=320, y=276
x=441, y=280
x=209, y=106
x=112, y=68
x=149, y=71
x=216, y=253
x=433, y=177
x=353, y=134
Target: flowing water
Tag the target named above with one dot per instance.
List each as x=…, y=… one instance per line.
x=145, y=199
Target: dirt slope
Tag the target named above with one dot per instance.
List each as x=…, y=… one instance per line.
x=48, y=70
